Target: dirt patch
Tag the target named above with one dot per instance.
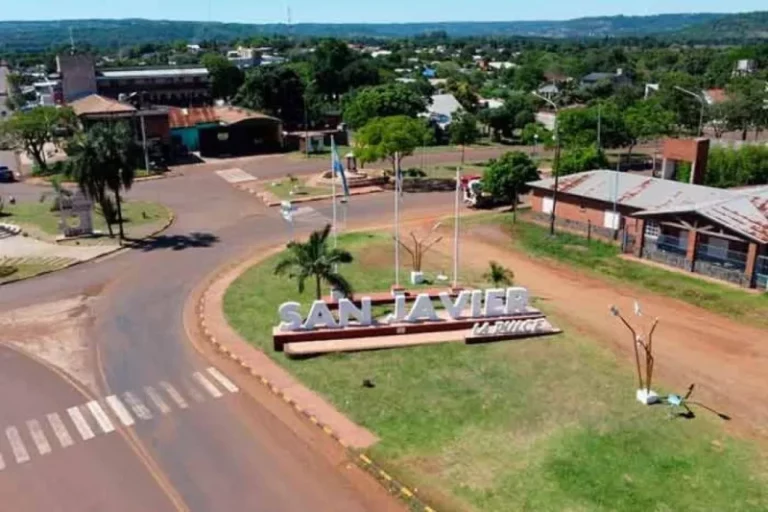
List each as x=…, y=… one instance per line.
x=54, y=332
x=725, y=359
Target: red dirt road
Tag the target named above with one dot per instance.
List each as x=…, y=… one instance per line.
x=727, y=361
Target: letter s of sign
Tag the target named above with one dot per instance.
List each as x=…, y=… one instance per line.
x=290, y=317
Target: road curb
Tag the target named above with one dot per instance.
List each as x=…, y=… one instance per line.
x=392, y=485
x=168, y=223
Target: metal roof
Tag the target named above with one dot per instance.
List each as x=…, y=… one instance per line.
x=743, y=210
x=107, y=74
x=444, y=104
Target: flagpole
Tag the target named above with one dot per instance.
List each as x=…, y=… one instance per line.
x=333, y=191
x=397, y=220
x=456, y=230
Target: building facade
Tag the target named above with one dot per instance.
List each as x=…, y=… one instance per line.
x=714, y=232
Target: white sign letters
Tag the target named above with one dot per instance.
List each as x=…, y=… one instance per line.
x=480, y=303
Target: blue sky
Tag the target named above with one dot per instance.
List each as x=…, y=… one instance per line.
x=343, y=11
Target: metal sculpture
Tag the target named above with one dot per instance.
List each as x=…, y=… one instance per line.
x=642, y=343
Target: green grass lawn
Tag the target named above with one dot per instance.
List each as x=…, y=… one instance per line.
x=22, y=268
x=541, y=424
x=283, y=188
x=603, y=259
x=38, y=215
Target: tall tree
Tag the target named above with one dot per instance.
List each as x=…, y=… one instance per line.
x=746, y=106
x=578, y=127
x=274, y=90
x=580, y=159
x=316, y=259
x=505, y=178
x=104, y=159
x=31, y=130
x=646, y=120
x=226, y=78
x=390, y=138
x=330, y=58
x=464, y=131
x=383, y=101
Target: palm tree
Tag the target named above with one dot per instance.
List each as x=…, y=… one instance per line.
x=316, y=258
x=103, y=160
x=499, y=275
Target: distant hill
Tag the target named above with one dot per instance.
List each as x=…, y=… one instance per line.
x=37, y=35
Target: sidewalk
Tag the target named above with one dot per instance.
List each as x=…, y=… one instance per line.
x=25, y=247
x=218, y=331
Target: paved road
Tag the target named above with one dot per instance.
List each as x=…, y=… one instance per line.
x=225, y=453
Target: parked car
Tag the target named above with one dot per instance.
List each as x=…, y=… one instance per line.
x=7, y=175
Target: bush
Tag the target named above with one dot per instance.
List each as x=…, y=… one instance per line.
x=581, y=159
x=530, y=130
x=737, y=167
x=59, y=167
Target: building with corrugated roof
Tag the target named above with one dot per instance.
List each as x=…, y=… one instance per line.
x=721, y=233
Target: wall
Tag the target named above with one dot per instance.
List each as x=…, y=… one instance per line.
x=584, y=211
x=78, y=76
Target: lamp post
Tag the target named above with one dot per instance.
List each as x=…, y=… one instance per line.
x=306, y=118
x=701, y=100
x=556, y=163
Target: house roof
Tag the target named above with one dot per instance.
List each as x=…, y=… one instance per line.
x=107, y=74
x=743, y=211
x=549, y=89
x=226, y=115
x=444, y=104
x=94, y=104
x=596, y=77
x=715, y=96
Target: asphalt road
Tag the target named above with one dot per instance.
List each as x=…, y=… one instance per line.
x=234, y=452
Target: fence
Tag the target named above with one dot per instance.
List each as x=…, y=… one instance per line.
x=761, y=272
x=715, y=255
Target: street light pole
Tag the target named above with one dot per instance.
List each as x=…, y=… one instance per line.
x=703, y=103
x=555, y=165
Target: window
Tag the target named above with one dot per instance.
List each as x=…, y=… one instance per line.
x=652, y=229
x=611, y=219
x=546, y=205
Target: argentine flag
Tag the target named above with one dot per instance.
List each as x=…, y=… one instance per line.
x=338, y=167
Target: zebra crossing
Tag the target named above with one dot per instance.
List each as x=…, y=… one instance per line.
x=103, y=416
x=234, y=176
x=308, y=215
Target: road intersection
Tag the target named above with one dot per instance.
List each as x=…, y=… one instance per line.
x=228, y=452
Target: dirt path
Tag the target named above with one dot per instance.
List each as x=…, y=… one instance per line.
x=727, y=361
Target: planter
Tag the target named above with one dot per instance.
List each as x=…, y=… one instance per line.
x=417, y=277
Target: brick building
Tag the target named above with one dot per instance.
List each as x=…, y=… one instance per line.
x=717, y=232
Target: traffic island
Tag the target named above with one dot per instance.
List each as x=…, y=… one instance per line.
x=540, y=423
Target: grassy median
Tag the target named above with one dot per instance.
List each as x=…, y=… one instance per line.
x=539, y=424
x=38, y=216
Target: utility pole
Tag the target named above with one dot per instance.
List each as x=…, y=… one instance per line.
x=144, y=141
x=703, y=103
x=599, y=126
x=555, y=165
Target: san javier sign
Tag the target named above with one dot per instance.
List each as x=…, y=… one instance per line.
x=474, y=304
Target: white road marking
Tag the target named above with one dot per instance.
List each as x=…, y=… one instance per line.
x=308, y=215
x=80, y=424
x=235, y=175
x=221, y=379
x=100, y=416
x=120, y=411
x=139, y=409
x=19, y=450
x=156, y=399
x=175, y=395
x=196, y=395
x=209, y=387
x=60, y=430
x=38, y=436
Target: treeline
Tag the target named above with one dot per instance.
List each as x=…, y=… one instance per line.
x=24, y=36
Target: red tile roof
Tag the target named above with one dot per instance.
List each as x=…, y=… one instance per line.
x=186, y=117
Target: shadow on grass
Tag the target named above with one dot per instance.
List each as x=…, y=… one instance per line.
x=174, y=242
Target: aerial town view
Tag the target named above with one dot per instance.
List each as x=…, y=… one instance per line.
x=404, y=256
